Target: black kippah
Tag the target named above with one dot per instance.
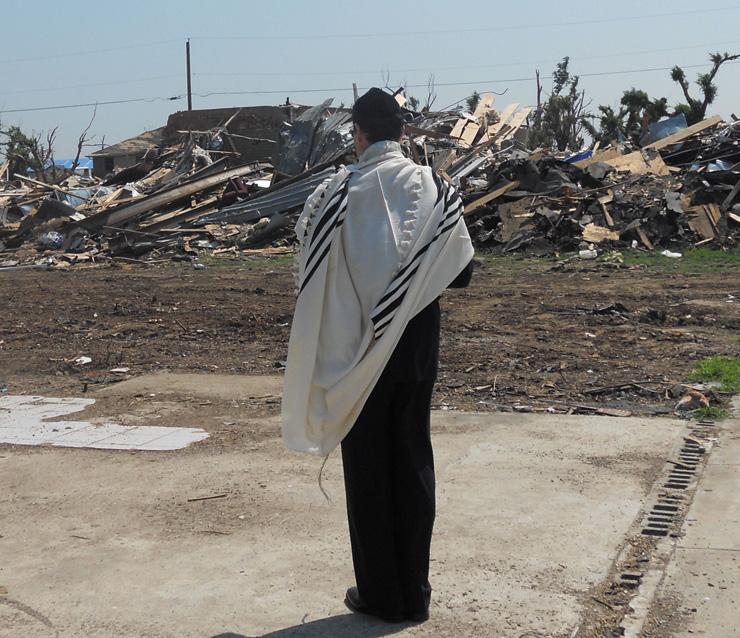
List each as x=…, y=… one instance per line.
x=376, y=104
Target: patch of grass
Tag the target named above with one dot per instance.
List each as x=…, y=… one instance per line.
x=694, y=260
x=726, y=370
x=711, y=413
x=513, y=262
x=251, y=262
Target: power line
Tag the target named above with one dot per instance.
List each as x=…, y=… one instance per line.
x=357, y=73
x=87, y=86
x=303, y=36
x=466, y=83
x=71, y=54
x=511, y=27
x=344, y=88
x=458, y=68
x=76, y=106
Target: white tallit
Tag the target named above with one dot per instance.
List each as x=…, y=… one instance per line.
x=379, y=241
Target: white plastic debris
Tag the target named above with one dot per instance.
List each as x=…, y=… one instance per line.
x=33, y=420
x=588, y=254
x=82, y=361
x=668, y=253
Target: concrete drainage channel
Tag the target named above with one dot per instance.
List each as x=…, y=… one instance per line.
x=624, y=600
x=671, y=505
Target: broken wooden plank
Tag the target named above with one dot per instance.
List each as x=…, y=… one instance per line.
x=52, y=187
x=515, y=217
x=637, y=164
x=417, y=130
x=484, y=105
x=502, y=119
x=603, y=201
x=445, y=161
x=607, y=154
x=596, y=234
x=515, y=124
x=729, y=199
x=470, y=133
x=644, y=238
x=703, y=220
x=182, y=215
x=487, y=199
x=686, y=133
x=119, y=216
x=465, y=130
x=459, y=127
x=658, y=166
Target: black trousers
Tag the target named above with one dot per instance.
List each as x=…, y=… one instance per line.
x=389, y=481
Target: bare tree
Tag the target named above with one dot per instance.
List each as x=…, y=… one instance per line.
x=84, y=140
x=385, y=75
x=48, y=153
x=431, y=93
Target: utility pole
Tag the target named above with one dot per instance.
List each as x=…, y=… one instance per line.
x=190, y=85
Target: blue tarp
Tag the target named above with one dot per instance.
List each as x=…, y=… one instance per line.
x=579, y=156
x=658, y=130
x=84, y=163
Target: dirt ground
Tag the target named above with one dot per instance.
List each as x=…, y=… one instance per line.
x=528, y=334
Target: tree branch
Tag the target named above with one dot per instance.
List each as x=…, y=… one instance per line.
x=83, y=139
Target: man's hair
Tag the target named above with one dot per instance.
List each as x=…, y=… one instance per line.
x=378, y=115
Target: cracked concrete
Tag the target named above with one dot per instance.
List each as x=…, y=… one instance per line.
x=532, y=511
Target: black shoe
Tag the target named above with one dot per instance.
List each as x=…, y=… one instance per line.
x=418, y=617
x=354, y=603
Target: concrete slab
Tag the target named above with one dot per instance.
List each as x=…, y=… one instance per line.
x=29, y=420
x=207, y=386
x=702, y=583
x=704, y=586
x=532, y=509
x=714, y=518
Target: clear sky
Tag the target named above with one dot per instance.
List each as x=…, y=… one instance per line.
x=55, y=54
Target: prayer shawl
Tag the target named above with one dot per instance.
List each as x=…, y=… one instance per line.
x=379, y=241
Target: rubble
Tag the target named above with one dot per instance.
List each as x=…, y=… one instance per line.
x=680, y=189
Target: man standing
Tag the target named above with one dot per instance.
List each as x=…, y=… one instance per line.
x=379, y=242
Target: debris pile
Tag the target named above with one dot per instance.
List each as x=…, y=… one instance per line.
x=175, y=202
x=679, y=189
x=676, y=191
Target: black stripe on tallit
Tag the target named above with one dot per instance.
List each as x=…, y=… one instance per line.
x=311, y=272
x=389, y=295
x=328, y=233
x=389, y=310
x=451, y=225
x=420, y=252
x=332, y=206
x=440, y=188
x=382, y=319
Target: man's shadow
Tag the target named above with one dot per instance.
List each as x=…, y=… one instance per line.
x=344, y=626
